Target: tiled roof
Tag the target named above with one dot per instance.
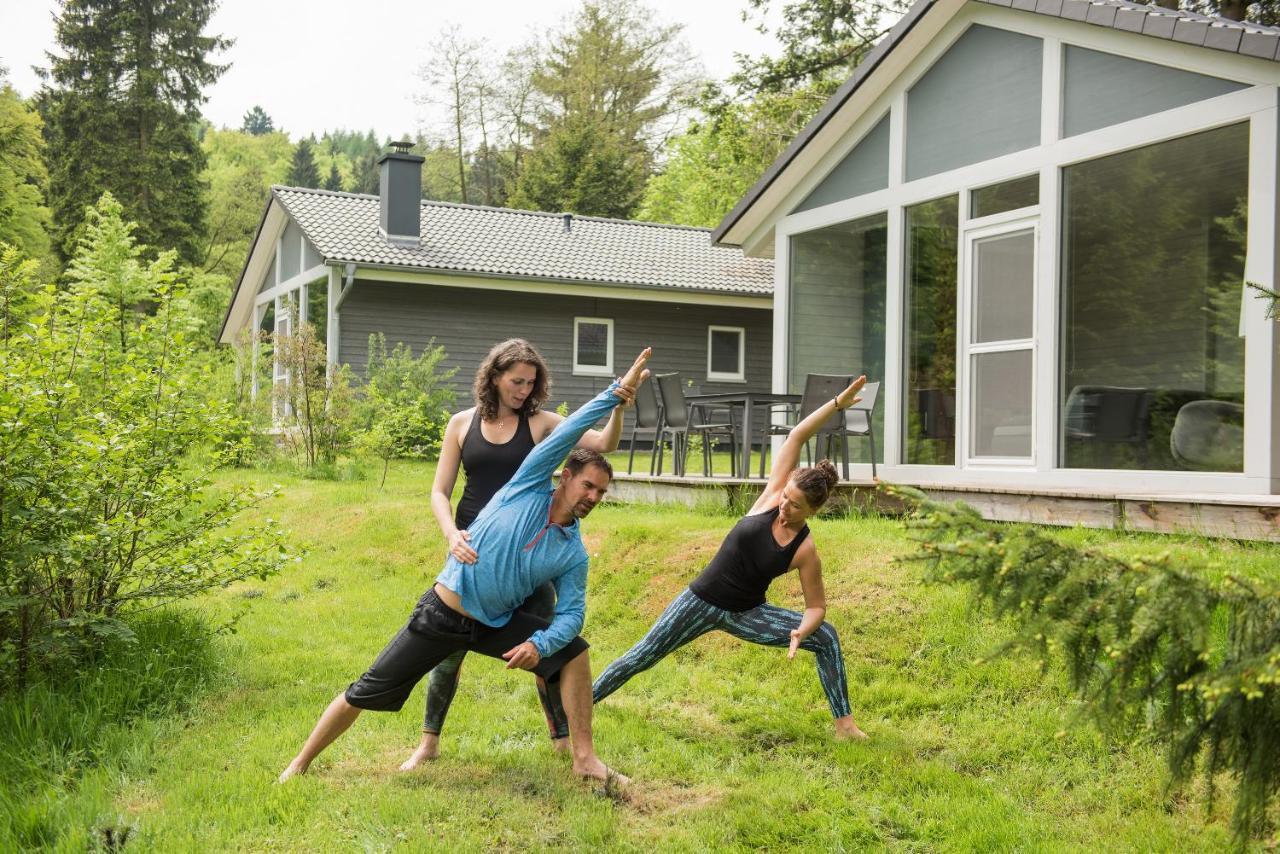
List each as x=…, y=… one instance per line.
x=1247, y=39
x=527, y=244
x=1170, y=24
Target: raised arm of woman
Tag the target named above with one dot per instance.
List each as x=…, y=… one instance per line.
x=442, y=487
x=788, y=456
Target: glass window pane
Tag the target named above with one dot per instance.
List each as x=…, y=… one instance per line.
x=1101, y=89
x=270, y=281
x=725, y=351
x=863, y=170
x=1002, y=404
x=593, y=344
x=310, y=257
x=930, y=423
x=837, y=309
x=1153, y=258
x=318, y=308
x=979, y=101
x=1003, y=287
x=1008, y=196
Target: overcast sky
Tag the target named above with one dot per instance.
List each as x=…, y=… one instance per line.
x=325, y=64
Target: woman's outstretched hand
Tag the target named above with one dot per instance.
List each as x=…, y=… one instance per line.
x=796, y=637
x=849, y=396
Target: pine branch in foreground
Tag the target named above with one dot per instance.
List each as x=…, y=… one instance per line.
x=1151, y=642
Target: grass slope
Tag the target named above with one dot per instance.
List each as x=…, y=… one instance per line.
x=728, y=743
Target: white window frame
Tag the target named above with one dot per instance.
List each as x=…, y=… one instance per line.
x=581, y=370
x=740, y=376
x=1256, y=105
x=1003, y=224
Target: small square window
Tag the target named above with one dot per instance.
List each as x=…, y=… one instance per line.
x=593, y=346
x=726, y=353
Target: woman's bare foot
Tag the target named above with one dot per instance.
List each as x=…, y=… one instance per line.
x=594, y=769
x=560, y=745
x=428, y=749
x=847, y=730
x=293, y=770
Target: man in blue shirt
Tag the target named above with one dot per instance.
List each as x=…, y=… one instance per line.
x=527, y=535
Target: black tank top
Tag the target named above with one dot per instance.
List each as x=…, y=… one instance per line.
x=489, y=467
x=748, y=560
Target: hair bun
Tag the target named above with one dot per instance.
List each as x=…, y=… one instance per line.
x=828, y=471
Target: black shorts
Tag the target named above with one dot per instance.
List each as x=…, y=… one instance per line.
x=434, y=632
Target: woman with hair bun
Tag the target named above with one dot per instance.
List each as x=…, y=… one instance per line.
x=729, y=595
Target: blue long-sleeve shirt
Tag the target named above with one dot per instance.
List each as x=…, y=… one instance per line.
x=520, y=548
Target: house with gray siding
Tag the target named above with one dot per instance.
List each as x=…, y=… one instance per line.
x=1036, y=223
x=588, y=292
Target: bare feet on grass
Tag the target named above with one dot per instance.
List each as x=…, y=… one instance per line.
x=594, y=769
x=293, y=770
x=428, y=749
x=847, y=730
x=560, y=745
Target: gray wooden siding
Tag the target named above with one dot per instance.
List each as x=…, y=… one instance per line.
x=468, y=322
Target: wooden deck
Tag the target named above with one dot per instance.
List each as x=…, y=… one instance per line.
x=1241, y=517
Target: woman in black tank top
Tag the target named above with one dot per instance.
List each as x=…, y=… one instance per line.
x=489, y=442
x=729, y=595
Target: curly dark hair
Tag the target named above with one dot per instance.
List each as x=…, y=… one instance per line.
x=816, y=482
x=501, y=357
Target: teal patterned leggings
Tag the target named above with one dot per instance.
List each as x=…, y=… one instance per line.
x=689, y=616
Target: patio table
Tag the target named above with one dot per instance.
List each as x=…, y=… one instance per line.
x=745, y=401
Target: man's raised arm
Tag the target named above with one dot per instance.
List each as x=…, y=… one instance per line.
x=542, y=461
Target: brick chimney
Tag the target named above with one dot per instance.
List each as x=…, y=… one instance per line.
x=400, y=192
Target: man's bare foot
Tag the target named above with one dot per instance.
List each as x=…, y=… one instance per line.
x=847, y=730
x=428, y=749
x=594, y=769
x=560, y=745
x=293, y=770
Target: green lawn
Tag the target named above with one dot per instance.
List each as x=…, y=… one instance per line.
x=728, y=744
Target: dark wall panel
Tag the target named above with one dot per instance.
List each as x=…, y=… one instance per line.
x=467, y=322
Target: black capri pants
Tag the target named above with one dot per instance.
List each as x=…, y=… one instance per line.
x=433, y=633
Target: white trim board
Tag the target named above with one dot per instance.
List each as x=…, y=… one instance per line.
x=536, y=286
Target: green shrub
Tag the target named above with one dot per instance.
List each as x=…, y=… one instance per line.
x=103, y=507
x=407, y=398
x=1149, y=643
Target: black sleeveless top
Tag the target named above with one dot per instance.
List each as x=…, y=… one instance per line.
x=748, y=560
x=489, y=467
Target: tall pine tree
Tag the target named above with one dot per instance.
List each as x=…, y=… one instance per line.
x=121, y=101
x=608, y=86
x=303, y=171
x=257, y=122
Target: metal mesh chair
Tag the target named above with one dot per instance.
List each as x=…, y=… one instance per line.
x=678, y=422
x=858, y=422
x=818, y=389
x=648, y=420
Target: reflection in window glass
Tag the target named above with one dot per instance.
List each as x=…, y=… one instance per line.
x=930, y=422
x=726, y=352
x=1153, y=364
x=318, y=308
x=1003, y=285
x=1002, y=404
x=1009, y=196
x=837, y=309
x=592, y=344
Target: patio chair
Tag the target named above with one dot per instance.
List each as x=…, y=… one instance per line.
x=678, y=422
x=1109, y=416
x=857, y=422
x=648, y=420
x=1208, y=435
x=818, y=389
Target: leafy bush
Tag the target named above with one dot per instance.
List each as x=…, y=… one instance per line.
x=1143, y=641
x=102, y=508
x=314, y=405
x=407, y=398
